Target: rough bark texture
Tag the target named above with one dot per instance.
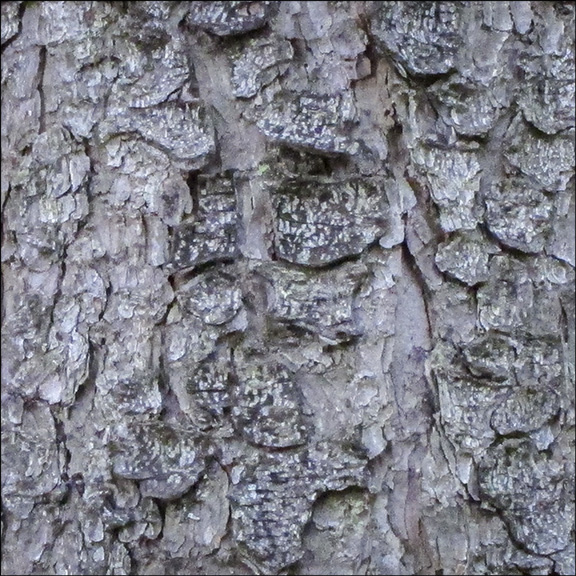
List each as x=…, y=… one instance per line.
x=288, y=287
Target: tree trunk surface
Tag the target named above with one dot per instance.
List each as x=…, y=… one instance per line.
x=288, y=287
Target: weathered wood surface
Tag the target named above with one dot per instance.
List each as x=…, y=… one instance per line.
x=288, y=287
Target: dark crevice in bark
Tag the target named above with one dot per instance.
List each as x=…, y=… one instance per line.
x=429, y=210
x=170, y=410
x=40, y=87
x=89, y=384
x=422, y=82
x=89, y=151
x=370, y=52
x=564, y=324
x=108, y=292
x=214, y=163
x=276, y=449
x=134, y=567
x=299, y=49
x=145, y=229
x=179, y=277
x=63, y=451
x=4, y=233
x=170, y=306
x=4, y=203
x=193, y=188
x=227, y=469
x=162, y=505
x=332, y=265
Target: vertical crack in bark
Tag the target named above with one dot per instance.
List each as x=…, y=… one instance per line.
x=88, y=385
x=61, y=439
x=40, y=87
x=193, y=188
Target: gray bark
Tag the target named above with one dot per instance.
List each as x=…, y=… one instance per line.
x=288, y=287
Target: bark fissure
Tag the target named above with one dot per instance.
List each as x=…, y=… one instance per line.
x=40, y=87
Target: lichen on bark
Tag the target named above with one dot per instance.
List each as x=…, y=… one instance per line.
x=287, y=287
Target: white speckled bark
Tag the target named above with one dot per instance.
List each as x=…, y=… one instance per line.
x=288, y=287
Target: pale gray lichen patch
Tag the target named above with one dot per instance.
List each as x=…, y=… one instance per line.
x=540, y=364
x=230, y=18
x=272, y=502
x=321, y=221
x=471, y=108
x=525, y=410
x=424, y=37
x=198, y=521
x=147, y=77
x=328, y=62
x=496, y=386
x=546, y=96
x=211, y=234
x=210, y=383
x=183, y=130
x=49, y=357
x=522, y=296
x=141, y=293
x=528, y=487
x=268, y=405
x=137, y=395
x=146, y=24
x=56, y=23
x=76, y=64
x=547, y=161
x=93, y=334
x=20, y=96
x=562, y=241
x=151, y=58
x=454, y=180
x=213, y=296
x=466, y=402
x=498, y=360
x=144, y=521
x=466, y=413
x=197, y=368
x=310, y=121
x=167, y=461
x=25, y=334
x=322, y=303
x=465, y=256
x=135, y=172
x=491, y=357
x=10, y=20
x=565, y=560
x=258, y=64
x=58, y=165
x=29, y=458
x=338, y=524
x=173, y=200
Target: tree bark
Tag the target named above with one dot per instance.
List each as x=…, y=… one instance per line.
x=288, y=287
